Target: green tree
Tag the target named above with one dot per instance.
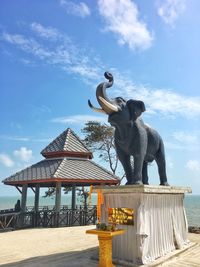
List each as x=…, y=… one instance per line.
x=99, y=137
x=82, y=192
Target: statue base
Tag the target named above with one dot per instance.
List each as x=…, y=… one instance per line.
x=157, y=225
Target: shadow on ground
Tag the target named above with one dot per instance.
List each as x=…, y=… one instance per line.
x=68, y=259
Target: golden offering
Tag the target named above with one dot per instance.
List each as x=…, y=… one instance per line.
x=123, y=216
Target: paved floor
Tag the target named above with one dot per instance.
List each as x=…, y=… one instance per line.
x=190, y=258
x=70, y=247
x=50, y=247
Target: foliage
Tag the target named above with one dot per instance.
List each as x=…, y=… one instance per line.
x=100, y=138
x=104, y=227
x=50, y=192
x=82, y=192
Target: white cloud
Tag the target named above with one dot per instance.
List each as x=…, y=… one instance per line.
x=24, y=139
x=170, y=103
x=164, y=101
x=79, y=119
x=14, y=138
x=37, y=110
x=186, y=141
x=28, y=45
x=27, y=62
x=174, y=146
x=42, y=140
x=24, y=154
x=186, y=138
x=170, y=10
x=122, y=18
x=63, y=54
x=6, y=160
x=193, y=165
x=80, y=10
x=85, y=71
x=72, y=59
x=45, y=32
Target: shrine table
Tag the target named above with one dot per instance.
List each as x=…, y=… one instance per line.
x=105, y=245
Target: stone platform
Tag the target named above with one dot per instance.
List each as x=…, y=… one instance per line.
x=159, y=221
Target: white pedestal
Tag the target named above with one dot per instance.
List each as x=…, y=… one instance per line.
x=160, y=223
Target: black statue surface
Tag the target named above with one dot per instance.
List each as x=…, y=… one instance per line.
x=132, y=136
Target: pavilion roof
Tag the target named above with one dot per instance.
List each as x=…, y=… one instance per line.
x=67, y=144
x=67, y=170
x=67, y=160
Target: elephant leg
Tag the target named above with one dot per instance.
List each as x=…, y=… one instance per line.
x=160, y=160
x=138, y=164
x=145, y=178
x=126, y=163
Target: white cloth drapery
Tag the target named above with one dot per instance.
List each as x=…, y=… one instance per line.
x=160, y=225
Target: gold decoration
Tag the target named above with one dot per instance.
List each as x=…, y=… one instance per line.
x=99, y=203
x=105, y=245
x=123, y=216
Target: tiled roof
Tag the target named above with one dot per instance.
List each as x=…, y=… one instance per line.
x=68, y=170
x=66, y=142
x=67, y=160
x=41, y=170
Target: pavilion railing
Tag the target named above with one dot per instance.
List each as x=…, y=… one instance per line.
x=48, y=217
x=52, y=207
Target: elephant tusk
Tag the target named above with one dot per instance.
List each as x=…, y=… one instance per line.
x=110, y=106
x=96, y=109
x=107, y=106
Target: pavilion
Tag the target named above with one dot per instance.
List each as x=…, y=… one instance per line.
x=68, y=163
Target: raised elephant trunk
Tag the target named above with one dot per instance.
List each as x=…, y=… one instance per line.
x=107, y=106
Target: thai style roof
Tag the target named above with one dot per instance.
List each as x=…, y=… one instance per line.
x=66, y=144
x=67, y=170
x=68, y=160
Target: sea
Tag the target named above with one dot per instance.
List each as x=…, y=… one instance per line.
x=191, y=203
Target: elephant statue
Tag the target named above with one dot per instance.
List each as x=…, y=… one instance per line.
x=132, y=136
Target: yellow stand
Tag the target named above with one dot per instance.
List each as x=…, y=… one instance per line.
x=105, y=245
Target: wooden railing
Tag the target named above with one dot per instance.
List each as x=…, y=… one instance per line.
x=49, y=218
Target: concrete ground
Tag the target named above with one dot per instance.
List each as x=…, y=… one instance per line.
x=70, y=247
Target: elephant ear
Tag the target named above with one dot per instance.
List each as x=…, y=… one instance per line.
x=136, y=107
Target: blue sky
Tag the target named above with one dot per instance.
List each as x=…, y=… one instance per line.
x=53, y=55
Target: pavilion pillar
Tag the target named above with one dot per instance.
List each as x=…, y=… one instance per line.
x=24, y=197
x=58, y=196
x=57, y=204
x=73, y=197
x=23, y=204
x=37, y=195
